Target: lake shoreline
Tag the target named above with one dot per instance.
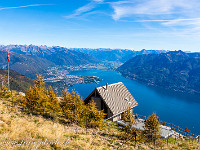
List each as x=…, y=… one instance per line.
x=168, y=91
x=170, y=107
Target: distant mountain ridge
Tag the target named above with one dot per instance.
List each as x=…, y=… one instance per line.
x=174, y=70
x=57, y=55
x=31, y=60
x=119, y=55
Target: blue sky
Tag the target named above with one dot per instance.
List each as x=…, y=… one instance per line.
x=132, y=24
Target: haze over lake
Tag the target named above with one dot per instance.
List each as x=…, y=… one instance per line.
x=171, y=107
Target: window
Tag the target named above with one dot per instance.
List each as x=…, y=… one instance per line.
x=127, y=99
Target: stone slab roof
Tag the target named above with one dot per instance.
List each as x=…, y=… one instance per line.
x=117, y=97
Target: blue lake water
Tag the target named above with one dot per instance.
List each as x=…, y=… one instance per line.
x=178, y=109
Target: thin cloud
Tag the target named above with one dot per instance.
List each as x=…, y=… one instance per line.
x=180, y=16
x=132, y=8
x=183, y=22
x=175, y=22
x=25, y=6
x=99, y=1
x=85, y=9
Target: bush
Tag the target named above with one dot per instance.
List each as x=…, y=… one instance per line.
x=4, y=93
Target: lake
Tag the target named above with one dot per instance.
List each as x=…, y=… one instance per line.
x=179, y=109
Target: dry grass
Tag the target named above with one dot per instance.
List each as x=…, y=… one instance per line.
x=21, y=131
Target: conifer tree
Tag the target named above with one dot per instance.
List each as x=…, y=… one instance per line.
x=152, y=127
x=129, y=118
x=95, y=118
x=77, y=112
x=35, y=99
x=3, y=88
x=52, y=103
x=80, y=107
x=39, y=100
x=71, y=105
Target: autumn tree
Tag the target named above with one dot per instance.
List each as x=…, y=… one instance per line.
x=36, y=98
x=152, y=129
x=74, y=109
x=40, y=100
x=128, y=116
x=72, y=106
x=3, y=88
x=52, y=104
x=130, y=130
x=3, y=80
x=43, y=101
x=93, y=116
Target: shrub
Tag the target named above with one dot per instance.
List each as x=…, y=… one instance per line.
x=4, y=92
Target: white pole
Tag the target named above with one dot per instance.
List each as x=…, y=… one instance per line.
x=8, y=77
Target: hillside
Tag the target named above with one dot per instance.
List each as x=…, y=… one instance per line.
x=20, y=130
x=175, y=70
x=67, y=57
x=26, y=65
x=17, y=81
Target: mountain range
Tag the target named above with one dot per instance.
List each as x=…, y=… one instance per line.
x=57, y=55
x=30, y=60
x=116, y=55
x=175, y=70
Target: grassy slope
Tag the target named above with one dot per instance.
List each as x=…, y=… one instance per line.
x=18, y=127
x=17, y=81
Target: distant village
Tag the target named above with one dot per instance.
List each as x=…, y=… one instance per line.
x=59, y=78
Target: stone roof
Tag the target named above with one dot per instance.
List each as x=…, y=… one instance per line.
x=117, y=97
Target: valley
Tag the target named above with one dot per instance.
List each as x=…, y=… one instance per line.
x=55, y=63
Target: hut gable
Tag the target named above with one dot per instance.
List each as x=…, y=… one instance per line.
x=116, y=97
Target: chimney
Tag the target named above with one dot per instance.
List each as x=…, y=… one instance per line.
x=106, y=86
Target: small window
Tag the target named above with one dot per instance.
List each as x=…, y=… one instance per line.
x=127, y=99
